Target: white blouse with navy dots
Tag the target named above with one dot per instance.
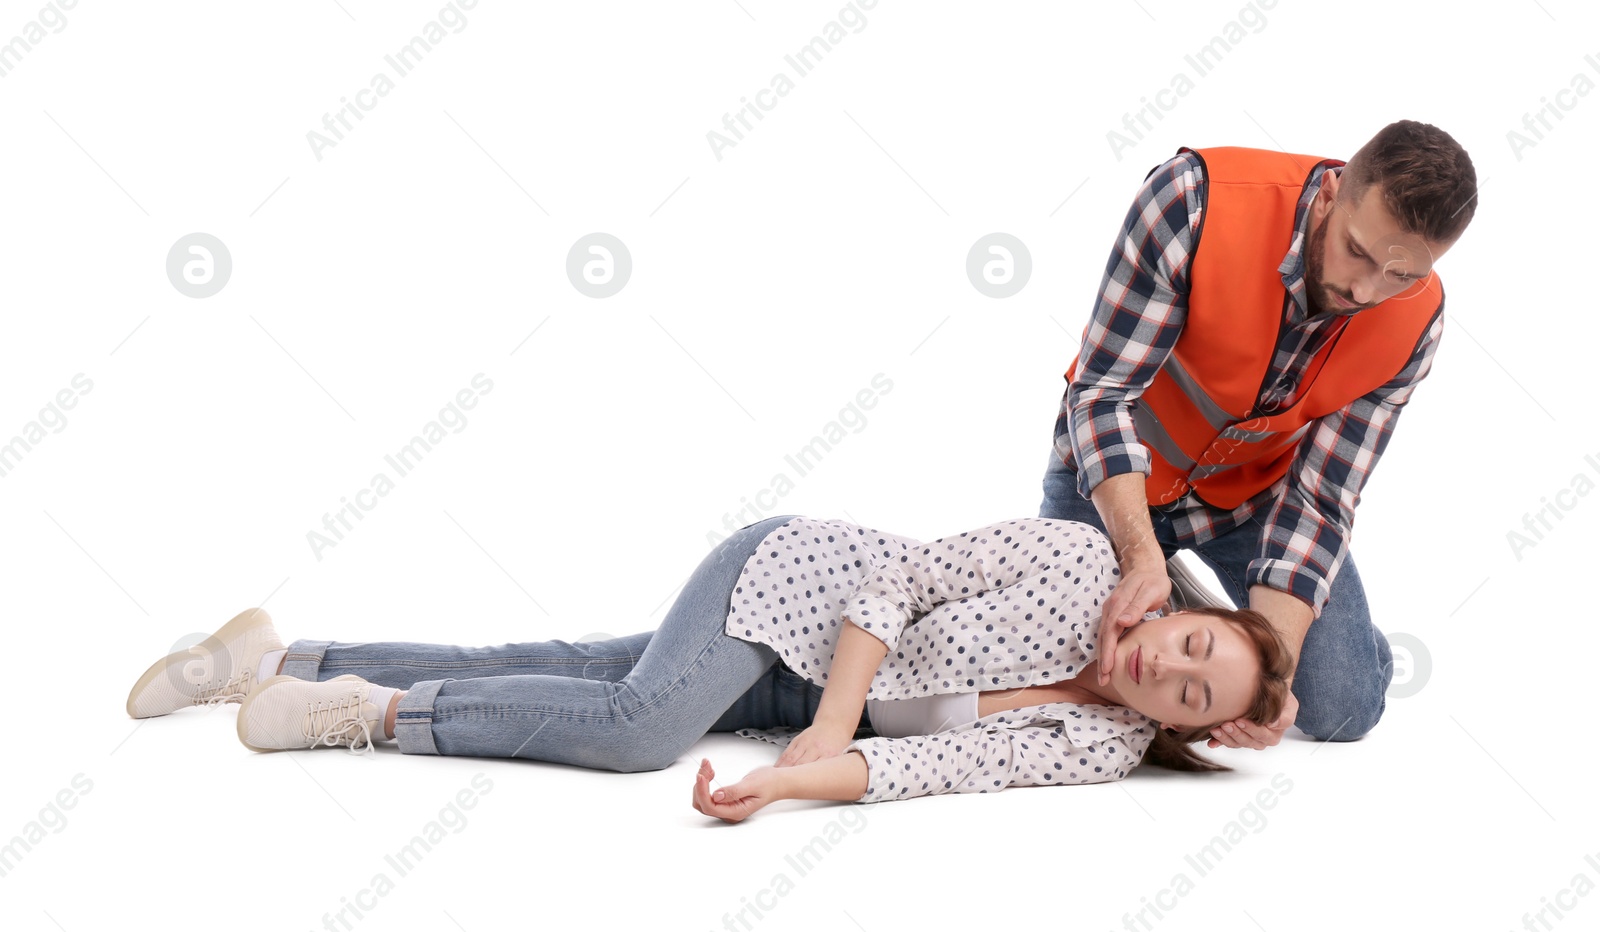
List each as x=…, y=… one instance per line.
x=1009, y=605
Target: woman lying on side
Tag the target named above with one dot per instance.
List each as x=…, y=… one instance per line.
x=966, y=663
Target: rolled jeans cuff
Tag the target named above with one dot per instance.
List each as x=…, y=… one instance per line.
x=304, y=659
x=413, y=721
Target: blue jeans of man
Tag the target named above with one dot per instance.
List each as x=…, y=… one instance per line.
x=1345, y=663
x=623, y=704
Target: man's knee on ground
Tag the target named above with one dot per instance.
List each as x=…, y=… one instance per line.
x=1339, y=721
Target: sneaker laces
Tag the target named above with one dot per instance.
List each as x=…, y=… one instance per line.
x=339, y=721
x=233, y=689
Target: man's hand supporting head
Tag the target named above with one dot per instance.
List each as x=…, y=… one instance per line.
x=1145, y=587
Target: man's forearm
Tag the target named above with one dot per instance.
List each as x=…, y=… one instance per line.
x=855, y=658
x=1287, y=613
x=843, y=777
x=1125, y=511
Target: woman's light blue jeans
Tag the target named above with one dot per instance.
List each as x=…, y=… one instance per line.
x=625, y=704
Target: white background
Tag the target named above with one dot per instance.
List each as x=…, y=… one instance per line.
x=624, y=434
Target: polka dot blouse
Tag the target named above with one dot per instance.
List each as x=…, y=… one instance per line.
x=1013, y=604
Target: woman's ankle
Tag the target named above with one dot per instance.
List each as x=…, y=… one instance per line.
x=271, y=663
x=390, y=715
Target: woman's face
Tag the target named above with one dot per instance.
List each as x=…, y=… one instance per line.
x=1186, y=669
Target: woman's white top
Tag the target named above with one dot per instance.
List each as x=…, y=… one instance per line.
x=923, y=715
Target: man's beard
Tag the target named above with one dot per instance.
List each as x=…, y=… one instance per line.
x=1316, y=291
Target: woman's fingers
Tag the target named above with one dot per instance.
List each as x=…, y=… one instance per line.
x=798, y=752
x=701, y=796
x=793, y=754
x=729, y=810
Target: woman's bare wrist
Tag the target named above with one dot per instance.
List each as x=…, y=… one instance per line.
x=779, y=785
x=838, y=723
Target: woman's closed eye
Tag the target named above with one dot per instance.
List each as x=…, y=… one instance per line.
x=1185, y=695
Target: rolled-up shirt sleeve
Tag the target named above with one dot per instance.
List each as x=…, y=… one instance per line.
x=990, y=758
x=1307, y=531
x=895, y=593
x=1136, y=321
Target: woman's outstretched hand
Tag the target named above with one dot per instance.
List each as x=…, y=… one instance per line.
x=738, y=801
x=817, y=742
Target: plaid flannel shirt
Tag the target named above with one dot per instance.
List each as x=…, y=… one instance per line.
x=1306, y=517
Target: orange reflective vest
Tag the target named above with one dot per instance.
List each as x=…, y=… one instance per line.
x=1199, y=418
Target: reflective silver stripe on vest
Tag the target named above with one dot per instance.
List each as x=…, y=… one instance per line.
x=1210, y=410
x=1153, y=435
x=1234, y=433
x=1255, y=435
x=1206, y=471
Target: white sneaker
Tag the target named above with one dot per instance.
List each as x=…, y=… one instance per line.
x=284, y=712
x=220, y=669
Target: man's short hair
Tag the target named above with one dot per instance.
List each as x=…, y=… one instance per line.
x=1427, y=179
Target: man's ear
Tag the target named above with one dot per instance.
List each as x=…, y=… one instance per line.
x=1327, y=193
